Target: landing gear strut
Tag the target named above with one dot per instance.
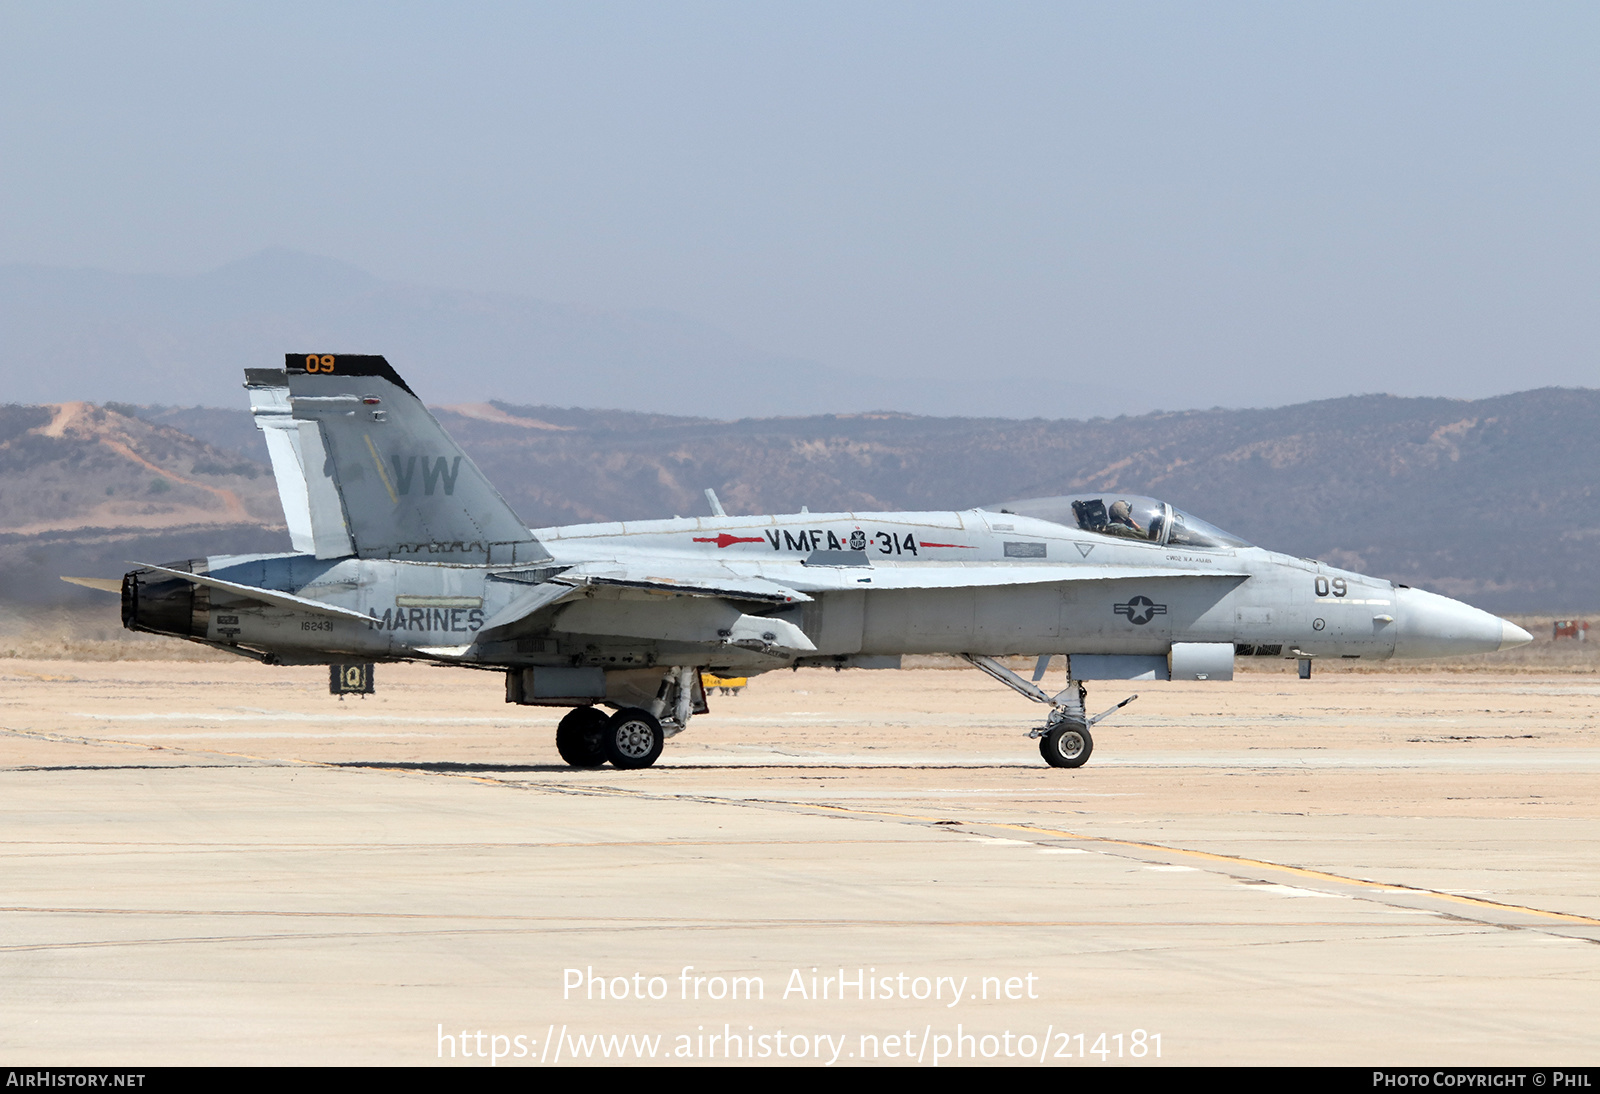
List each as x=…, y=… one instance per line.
x=1065, y=740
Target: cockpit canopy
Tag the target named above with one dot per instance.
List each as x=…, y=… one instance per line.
x=1124, y=516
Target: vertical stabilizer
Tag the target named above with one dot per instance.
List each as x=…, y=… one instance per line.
x=407, y=490
x=311, y=504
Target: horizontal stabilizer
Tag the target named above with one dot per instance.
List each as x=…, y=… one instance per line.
x=446, y=653
x=266, y=596
x=104, y=584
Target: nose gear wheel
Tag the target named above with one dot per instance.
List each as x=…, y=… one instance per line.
x=1066, y=746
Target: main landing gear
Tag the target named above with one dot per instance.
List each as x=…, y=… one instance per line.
x=633, y=737
x=630, y=738
x=1064, y=741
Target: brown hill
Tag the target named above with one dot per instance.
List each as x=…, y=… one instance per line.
x=84, y=489
x=1496, y=501
x=76, y=465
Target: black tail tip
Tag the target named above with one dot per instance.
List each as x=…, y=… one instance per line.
x=344, y=364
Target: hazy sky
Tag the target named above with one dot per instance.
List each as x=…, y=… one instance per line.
x=1196, y=203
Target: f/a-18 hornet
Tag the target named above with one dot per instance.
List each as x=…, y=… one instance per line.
x=404, y=551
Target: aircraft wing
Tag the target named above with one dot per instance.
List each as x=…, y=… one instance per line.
x=695, y=582
x=526, y=603
x=652, y=578
x=791, y=584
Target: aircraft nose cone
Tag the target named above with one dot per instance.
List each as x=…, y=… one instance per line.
x=1429, y=625
x=1512, y=636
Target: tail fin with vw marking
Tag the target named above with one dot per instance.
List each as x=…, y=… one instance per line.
x=404, y=488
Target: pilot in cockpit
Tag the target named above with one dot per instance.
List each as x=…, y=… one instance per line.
x=1121, y=521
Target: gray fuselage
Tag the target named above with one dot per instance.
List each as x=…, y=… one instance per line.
x=879, y=585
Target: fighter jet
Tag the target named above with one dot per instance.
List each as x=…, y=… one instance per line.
x=403, y=551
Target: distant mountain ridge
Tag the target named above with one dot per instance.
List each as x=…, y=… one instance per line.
x=86, y=489
x=1496, y=501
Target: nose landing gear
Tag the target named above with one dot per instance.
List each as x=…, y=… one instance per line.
x=1065, y=740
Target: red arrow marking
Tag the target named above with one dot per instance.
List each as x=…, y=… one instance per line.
x=963, y=546
x=724, y=539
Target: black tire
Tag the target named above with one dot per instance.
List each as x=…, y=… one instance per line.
x=1066, y=746
x=633, y=738
x=580, y=738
